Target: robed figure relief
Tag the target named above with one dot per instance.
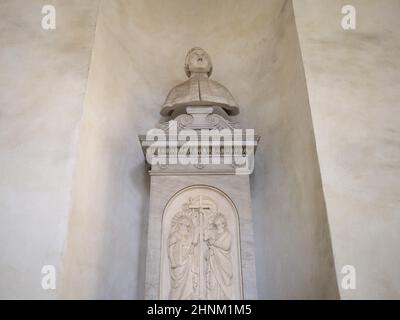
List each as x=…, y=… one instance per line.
x=199, y=252
x=180, y=254
x=218, y=260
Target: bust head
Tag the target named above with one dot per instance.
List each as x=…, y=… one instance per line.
x=199, y=90
x=198, y=61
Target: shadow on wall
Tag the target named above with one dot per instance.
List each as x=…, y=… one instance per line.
x=293, y=246
x=121, y=245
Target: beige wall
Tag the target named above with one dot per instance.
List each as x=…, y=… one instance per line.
x=294, y=253
x=138, y=56
x=353, y=82
x=42, y=85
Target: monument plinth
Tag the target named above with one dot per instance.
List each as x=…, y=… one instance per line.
x=200, y=231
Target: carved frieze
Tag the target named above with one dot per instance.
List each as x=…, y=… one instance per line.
x=200, y=247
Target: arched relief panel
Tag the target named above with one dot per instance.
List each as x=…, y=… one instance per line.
x=200, y=246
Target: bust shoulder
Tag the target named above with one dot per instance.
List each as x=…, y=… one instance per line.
x=199, y=89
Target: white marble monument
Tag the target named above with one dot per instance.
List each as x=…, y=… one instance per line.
x=200, y=233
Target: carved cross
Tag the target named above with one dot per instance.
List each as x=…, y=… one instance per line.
x=201, y=206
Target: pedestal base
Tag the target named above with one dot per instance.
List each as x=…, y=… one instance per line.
x=233, y=266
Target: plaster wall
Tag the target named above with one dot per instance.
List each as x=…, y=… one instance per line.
x=42, y=86
x=353, y=83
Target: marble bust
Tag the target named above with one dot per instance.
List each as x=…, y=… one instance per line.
x=199, y=89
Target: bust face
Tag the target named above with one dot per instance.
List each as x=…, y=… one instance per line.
x=198, y=61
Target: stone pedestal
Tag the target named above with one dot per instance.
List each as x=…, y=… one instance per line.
x=230, y=194
x=200, y=231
